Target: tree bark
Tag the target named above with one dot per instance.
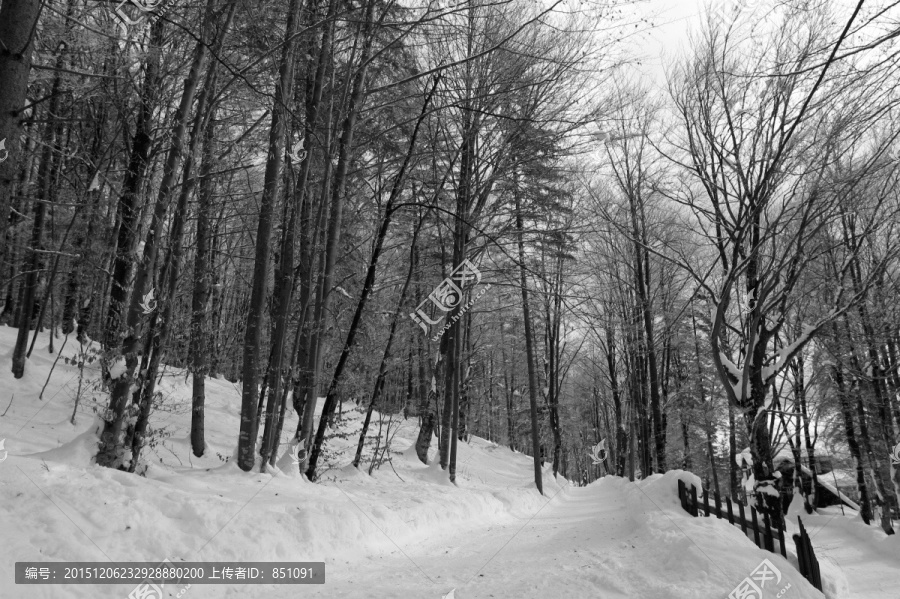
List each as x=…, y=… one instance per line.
x=396, y=189
x=529, y=349
x=52, y=141
x=112, y=445
x=837, y=374
x=382, y=369
x=129, y=205
x=199, y=341
x=323, y=297
x=284, y=96
x=18, y=24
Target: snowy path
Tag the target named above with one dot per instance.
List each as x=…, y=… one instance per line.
x=584, y=542
x=405, y=531
x=864, y=556
x=567, y=545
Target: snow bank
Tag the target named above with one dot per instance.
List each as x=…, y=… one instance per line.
x=701, y=552
x=405, y=531
x=55, y=504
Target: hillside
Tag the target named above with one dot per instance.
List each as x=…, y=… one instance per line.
x=405, y=531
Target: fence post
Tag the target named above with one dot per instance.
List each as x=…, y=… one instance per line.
x=694, y=502
x=755, y=525
x=806, y=555
x=743, y=517
x=781, y=538
x=706, y=502
x=718, y=504
x=768, y=537
x=681, y=494
x=801, y=556
x=730, y=511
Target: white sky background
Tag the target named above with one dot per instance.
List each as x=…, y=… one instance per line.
x=673, y=21
x=660, y=45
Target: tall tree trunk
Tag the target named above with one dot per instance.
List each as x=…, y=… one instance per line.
x=161, y=322
x=284, y=96
x=29, y=288
x=199, y=341
x=112, y=446
x=18, y=24
x=709, y=410
x=554, y=319
x=129, y=205
x=52, y=142
x=509, y=389
x=285, y=273
x=529, y=349
x=800, y=392
x=647, y=342
x=621, y=436
x=427, y=407
x=382, y=369
x=865, y=439
x=326, y=282
x=837, y=373
x=875, y=377
x=368, y=283
x=733, y=479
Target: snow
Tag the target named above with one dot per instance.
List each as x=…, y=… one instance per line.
x=405, y=531
x=735, y=372
x=823, y=480
x=744, y=457
x=117, y=368
x=856, y=560
x=782, y=355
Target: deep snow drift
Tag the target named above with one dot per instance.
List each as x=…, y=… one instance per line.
x=405, y=531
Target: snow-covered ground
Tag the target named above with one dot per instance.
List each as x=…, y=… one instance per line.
x=406, y=531
x=863, y=555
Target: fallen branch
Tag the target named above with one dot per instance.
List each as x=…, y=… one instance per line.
x=47, y=382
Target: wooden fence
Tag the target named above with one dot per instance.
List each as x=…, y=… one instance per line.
x=764, y=536
x=809, y=565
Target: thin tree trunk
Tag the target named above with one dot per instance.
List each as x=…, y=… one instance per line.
x=529, y=350
x=621, y=435
x=709, y=424
x=875, y=379
x=129, y=205
x=642, y=280
x=733, y=479
x=427, y=414
x=51, y=142
x=199, y=342
x=285, y=274
x=111, y=448
x=323, y=296
x=382, y=369
x=397, y=187
x=284, y=96
x=800, y=393
x=865, y=440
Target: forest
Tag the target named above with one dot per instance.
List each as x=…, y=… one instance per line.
x=474, y=215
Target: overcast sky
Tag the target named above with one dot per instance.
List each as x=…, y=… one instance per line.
x=659, y=45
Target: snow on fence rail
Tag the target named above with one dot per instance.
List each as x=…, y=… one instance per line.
x=763, y=536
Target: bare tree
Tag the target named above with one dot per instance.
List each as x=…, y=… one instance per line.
x=760, y=133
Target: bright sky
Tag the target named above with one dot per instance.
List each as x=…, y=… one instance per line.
x=660, y=45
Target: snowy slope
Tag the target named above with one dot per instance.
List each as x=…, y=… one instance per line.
x=861, y=558
x=406, y=531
